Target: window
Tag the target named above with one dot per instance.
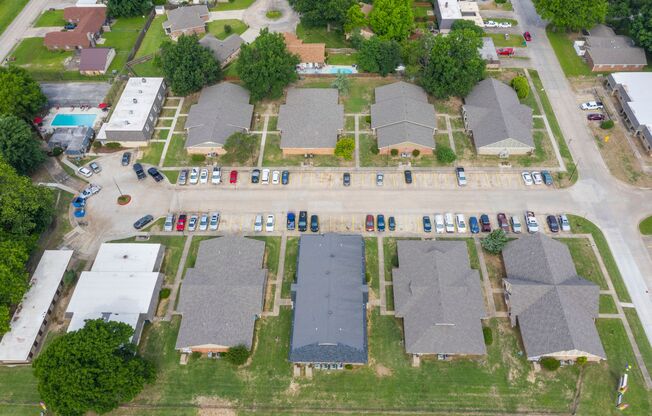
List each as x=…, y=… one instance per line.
x=151, y=117
x=155, y=108
x=146, y=127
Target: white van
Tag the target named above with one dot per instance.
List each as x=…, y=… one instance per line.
x=169, y=222
x=450, y=222
x=439, y=224
x=265, y=177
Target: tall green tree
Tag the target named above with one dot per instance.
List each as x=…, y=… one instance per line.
x=641, y=28
x=379, y=56
x=4, y=320
x=462, y=24
x=13, y=277
x=392, y=19
x=322, y=12
x=93, y=369
x=18, y=146
x=129, y=8
x=572, y=14
x=188, y=66
x=454, y=65
x=266, y=66
x=20, y=95
x=355, y=19
x=241, y=147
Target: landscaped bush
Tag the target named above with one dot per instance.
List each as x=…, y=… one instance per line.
x=374, y=148
x=196, y=355
x=607, y=124
x=164, y=293
x=393, y=152
x=581, y=361
x=550, y=363
x=348, y=366
x=445, y=154
x=57, y=151
x=495, y=241
x=69, y=278
x=416, y=153
x=97, y=145
x=113, y=145
x=501, y=1
x=367, y=119
x=237, y=355
x=196, y=158
x=344, y=148
x=488, y=335
x=228, y=29
x=521, y=86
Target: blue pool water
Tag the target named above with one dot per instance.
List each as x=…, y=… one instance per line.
x=339, y=70
x=73, y=120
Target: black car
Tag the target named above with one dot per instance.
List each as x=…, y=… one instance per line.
x=140, y=172
x=553, y=224
x=255, y=176
x=314, y=223
x=126, y=158
x=303, y=221
x=291, y=221
x=143, y=222
x=408, y=176
x=391, y=222
x=154, y=173
x=346, y=179
x=285, y=177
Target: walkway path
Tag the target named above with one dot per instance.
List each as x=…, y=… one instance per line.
x=263, y=140
x=171, y=131
x=488, y=291
x=357, y=141
x=278, y=282
x=177, y=280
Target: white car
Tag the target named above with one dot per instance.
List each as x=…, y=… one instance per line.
x=504, y=25
x=531, y=222
x=258, y=223
x=592, y=105
x=449, y=221
x=203, y=222
x=461, y=223
x=516, y=224
x=379, y=179
x=439, y=224
x=214, y=221
x=276, y=177
x=203, y=176
x=537, y=178
x=194, y=176
x=169, y=222
x=269, y=224
x=461, y=176
x=216, y=177
x=564, y=224
x=90, y=190
x=490, y=23
x=527, y=178
x=265, y=177
x=192, y=223
x=84, y=171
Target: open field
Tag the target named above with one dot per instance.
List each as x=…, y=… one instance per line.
x=50, y=18
x=218, y=28
x=562, y=43
x=332, y=39
x=154, y=37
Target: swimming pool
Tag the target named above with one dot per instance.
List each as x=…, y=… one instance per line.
x=330, y=69
x=73, y=120
x=339, y=70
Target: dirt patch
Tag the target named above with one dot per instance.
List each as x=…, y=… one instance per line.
x=204, y=401
x=293, y=388
x=495, y=268
x=216, y=412
x=382, y=371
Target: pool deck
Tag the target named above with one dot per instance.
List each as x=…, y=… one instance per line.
x=54, y=111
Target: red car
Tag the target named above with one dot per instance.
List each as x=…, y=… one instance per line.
x=505, y=51
x=234, y=176
x=527, y=36
x=181, y=222
x=595, y=117
x=369, y=223
x=502, y=222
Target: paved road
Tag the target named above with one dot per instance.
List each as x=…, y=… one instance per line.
x=16, y=30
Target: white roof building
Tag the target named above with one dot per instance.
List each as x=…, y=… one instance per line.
x=19, y=344
x=634, y=93
x=122, y=285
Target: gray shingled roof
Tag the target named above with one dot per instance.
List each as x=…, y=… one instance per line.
x=311, y=118
x=555, y=308
x=494, y=114
x=330, y=298
x=222, y=49
x=439, y=298
x=187, y=17
x=607, y=48
x=222, y=296
x=223, y=109
x=402, y=114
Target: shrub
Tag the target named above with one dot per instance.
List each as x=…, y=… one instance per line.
x=164, y=293
x=57, y=151
x=237, y=355
x=113, y=145
x=495, y=241
x=416, y=153
x=521, y=86
x=581, y=361
x=607, y=124
x=374, y=148
x=488, y=335
x=393, y=152
x=348, y=366
x=195, y=355
x=501, y=1
x=445, y=154
x=550, y=363
x=228, y=29
x=367, y=119
x=196, y=158
x=345, y=148
x=69, y=278
x=97, y=145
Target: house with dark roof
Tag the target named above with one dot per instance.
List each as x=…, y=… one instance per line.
x=633, y=100
x=89, y=21
x=606, y=51
x=225, y=50
x=75, y=141
x=222, y=296
x=95, y=61
x=223, y=109
x=439, y=297
x=329, y=324
x=403, y=119
x=186, y=20
x=310, y=121
x=554, y=308
x=498, y=122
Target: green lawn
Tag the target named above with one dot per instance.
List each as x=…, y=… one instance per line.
x=514, y=40
x=273, y=156
x=585, y=262
x=342, y=59
x=152, y=154
x=646, y=226
x=122, y=37
x=172, y=175
x=371, y=264
x=50, y=18
x=572, y=64
x=233, y=5
x=538, y=123
x=9, y=9
x=147, y=69
x=333, y=39
x=639, y=335
x=607, y=304
x=290, y=268
x=153, y=38
x=176, y=154
x=173, y=250
x=216, y=28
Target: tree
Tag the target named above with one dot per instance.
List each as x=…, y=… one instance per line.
x=345, y=148
x=392, y=19
x=495, y=242
x=93, y=369
x=381, y=56
x=581, y=361
x=454, y=64
x=128, y=8
x=461, y=24
x=521, y=86
x=20, y=95
x=607, y=124
x=641, y=28
x=237, y=355
x=188, y=66
x=342, y=84
x=550, y=363
x=241, y=147
x=572, y=14
x=13, y=277
x=393, y=152
x=265, y=65
x=415, y=54
x=4, y=320
x=355, y=18
x=322, y=12
x=18, y=146
x=445, y=154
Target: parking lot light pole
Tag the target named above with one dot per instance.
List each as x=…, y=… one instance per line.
x=116, y=185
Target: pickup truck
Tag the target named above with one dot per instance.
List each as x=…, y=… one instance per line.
x=90, y=191
x=531, y=222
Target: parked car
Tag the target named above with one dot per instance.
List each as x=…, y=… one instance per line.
x=90, y=190
x=192, y=222
x=505, y=51
x=291, y=221
x=449, y=221
x=303, y=221
x=154, y=173
x=194, y=176
x=527, y=178
x=264, y=178
x=203, y=176
x=460, y=221
x=346, y=179
x=96, y=168
x=233, y=178
x=537, y=178
x=314, y=223
x=143, y=222
x=183, y=177
x=369, y=225
x=461, y=176
x=126, y=158
x=527, y=36
x=408, y=176
x=516, y=224
x=531, y=222
x=474, y=225
x=504, y=25
x=85, y=172
x=216, y=177
x=439, y=224
x=203, y=222
x=269, y=224
x=255, y=176
x=427, y=225
x=169, y=222
x=391, y=223
x=490, y=23
x=564, y=224
x=140, y=172
x=595, y=117
x=285, y=177
x=485, y=223
x=380, y=222
x=214, y=221
x=258, y=223
x=592, y=105
x=547, y=177
x=181, y=222
x=276, y=177
x=553, y=224
x=502, y=222
x=379, y=179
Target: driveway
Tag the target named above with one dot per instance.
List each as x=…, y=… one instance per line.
x=68, y=94
x=226, y=15
x=255, y=16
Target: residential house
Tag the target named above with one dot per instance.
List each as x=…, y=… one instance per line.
x=499, y=123
x=329, y=325
x=633, y=93
x=222, y=295
x=310, y=54
x=606, y=51
x=403, y=119
x=75, y=141
x=310, y=121
x=225, y=50
x=553, y=306
x=95, y=61
x=223, y=109
x=186, y=20
x=448, y=11
x=89, y=21
x=439, y=298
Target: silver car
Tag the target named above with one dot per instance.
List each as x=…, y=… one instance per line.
x=192, y=223
x=258, y=223
x=169, y=223
x=183, y=177
x=203, y=222
x=215, y=221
